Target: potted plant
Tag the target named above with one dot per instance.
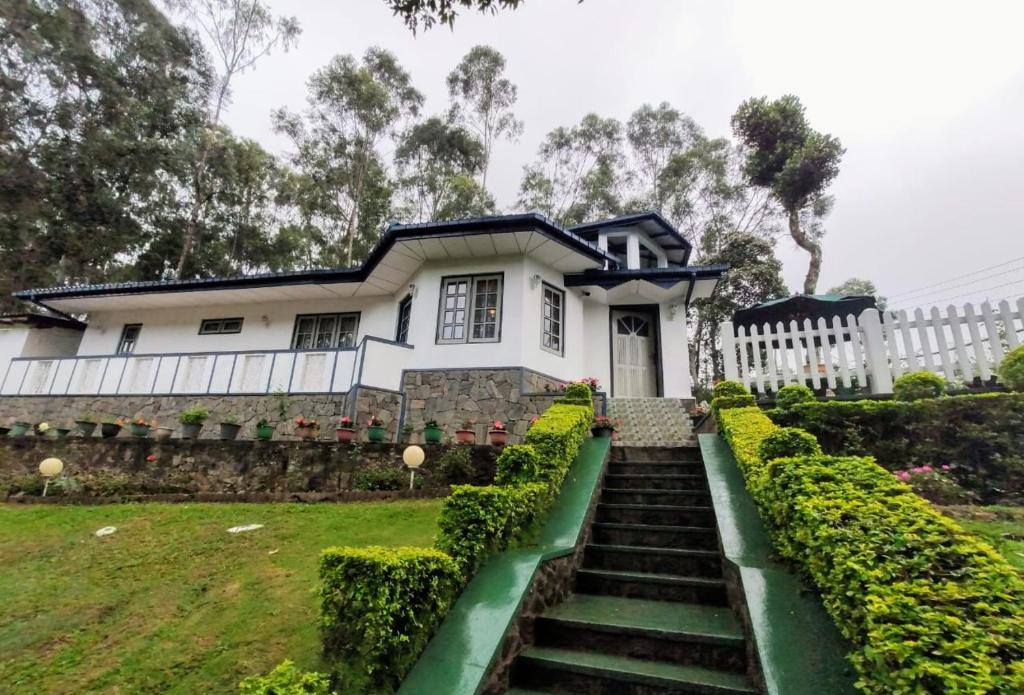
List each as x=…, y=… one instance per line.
x=432, y=433
x=41, y=428
x=140, y=426
x=306, y=429
x=86, y=424
x=192, y=421
x=498, y=434
x=111, y=428
x=4, y=431
x=264, y=430
x=603, y=426
x=59, y=432
x=345, y=432
x=162, y=434
x=375, y=430
x=405, y=436
x=466, y=435
x=19, y=428
x=229, y=428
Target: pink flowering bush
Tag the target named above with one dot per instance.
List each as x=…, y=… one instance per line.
x=935, y=485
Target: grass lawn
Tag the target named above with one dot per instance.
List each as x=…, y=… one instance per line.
x=1003, y=527
x=171, y=602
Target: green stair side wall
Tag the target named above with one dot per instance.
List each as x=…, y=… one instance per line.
x=459, y=657
x=799, y=648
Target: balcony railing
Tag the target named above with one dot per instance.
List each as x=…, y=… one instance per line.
x=374, y=362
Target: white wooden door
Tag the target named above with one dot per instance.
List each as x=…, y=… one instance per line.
x=633, y=355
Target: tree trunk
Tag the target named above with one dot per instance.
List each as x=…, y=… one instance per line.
x=810, y=246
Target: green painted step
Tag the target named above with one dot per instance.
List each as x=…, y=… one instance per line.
x=654, y=578
x=713, y=623
x=636, y=672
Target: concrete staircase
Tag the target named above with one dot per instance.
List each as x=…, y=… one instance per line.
x=649, y=614
x=660, y=422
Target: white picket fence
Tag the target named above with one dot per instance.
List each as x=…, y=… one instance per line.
x=874, y=348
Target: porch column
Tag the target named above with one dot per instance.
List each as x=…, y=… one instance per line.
x=633, y=252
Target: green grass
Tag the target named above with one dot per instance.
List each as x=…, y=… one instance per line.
x=172, y=602
x=1003, y=527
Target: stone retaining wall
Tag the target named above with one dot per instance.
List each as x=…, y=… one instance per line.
x=126, y=466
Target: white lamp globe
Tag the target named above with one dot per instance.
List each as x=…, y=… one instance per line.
x=51, y=467
x=413, y=456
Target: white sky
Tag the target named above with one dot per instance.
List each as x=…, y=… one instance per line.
x=927, y=97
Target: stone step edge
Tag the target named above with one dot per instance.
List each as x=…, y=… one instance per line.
x=653, y=550
x=653, y=578
x=658, y=528
x=680, y=634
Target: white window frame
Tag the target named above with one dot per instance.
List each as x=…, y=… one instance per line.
x=333, y=342
x=404, y=319
x=216, y=326
x=126, y=345
x=545, y=289
x=470, y=309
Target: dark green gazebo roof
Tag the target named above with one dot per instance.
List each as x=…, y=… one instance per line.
x=800, y=307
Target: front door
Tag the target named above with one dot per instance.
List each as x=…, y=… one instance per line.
x=634, y=354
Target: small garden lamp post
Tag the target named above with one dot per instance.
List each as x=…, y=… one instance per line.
x=413, y=457
x=49, y=469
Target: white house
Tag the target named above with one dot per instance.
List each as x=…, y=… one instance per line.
x=512, y=292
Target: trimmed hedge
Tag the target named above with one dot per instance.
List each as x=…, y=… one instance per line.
x=378, y=608
x=518, y=463
x=928, y=606
x=791, y=394
x=980, y=437
x=785, y=442
x=286, y=679
x=918, y=385
x=728, y=388
x=1011, y=369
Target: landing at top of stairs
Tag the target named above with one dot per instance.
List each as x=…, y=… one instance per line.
x=661, y=422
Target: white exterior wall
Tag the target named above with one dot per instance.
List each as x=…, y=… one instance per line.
x=675, y=353
x=597, y=355
x=12, y=342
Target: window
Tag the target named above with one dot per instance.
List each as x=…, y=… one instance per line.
x=470, y=309
x=129, y=337
x=552, y=319
x=215, y=326
x=404, y=314
x=319, y=331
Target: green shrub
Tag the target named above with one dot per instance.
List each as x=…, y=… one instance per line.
x=725, y=402
x=286, y=679
x=578, y=391
x=918, y=385
x=786, y=442
x=791, y=394
x=378, y=609
x=556, y=437
x=1011, y=371
x=518, y=463
x=477, y=522
x=980, y=436
x=728, y=388
x=379, y=478
x=456, y=466
x=928, y=607
x=193, y=416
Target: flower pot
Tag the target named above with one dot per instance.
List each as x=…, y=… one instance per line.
x=4, y=431
x=109, y=430
x=190, y=430
x=432, y=435
x=307, y=433
x=376, y=433
x=498, y=437
x=345, y=434
x=465, y=436
x=60, y=432
x=229, y=431
x=602, y=431
x=264, y=432
x=140, y=431
x=20, y=429
x=85, y=427
x=162, y=434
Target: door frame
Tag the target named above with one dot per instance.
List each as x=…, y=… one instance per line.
x=655, y=311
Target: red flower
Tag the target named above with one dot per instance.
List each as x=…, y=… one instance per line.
x=151, y=458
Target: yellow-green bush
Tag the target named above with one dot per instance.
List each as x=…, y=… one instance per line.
x=928, y=606
x=1011, y=370
x=378, y=608
x=286, y=679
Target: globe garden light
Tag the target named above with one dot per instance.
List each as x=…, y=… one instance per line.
x=413, y=458
x=50, y=468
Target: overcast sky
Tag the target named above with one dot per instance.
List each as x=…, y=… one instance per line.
x=927, y=98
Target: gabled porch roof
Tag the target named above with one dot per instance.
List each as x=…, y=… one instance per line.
x=655, y=284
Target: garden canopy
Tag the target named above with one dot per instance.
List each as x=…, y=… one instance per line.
x=800, y=307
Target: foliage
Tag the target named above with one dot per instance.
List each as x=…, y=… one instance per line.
x=103, y=482
x=286, y=679
x=456, y=466
x=981, y=437
x=1011, y=370
x=918, y=385
x=518, y=463
x=578, y=390
x=927, y=606
x=934, y=485
x=376, y=478
x=786, y=442
x=728, y=388
x=378, y=608
x=605, y=422
x=858, y=287
x=193, y=416
x=725, y=402
x=792, y=394
x=792, y=160
x=482, y=100
x=429, y=12
x=557, y=436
